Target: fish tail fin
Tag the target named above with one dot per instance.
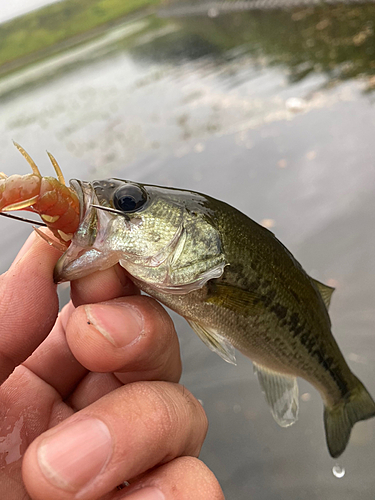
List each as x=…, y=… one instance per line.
x=339, y=419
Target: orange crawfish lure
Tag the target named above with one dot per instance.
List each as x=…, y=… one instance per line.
x=56, y=203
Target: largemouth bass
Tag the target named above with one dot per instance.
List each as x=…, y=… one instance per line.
x=234, y=282
x=232, y=279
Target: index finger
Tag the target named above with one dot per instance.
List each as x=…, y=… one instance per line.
x=102, y=286
x=28, y=304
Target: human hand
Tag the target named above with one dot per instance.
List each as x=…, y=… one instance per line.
x=93, y=399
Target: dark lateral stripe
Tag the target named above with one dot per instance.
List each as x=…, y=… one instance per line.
x=308, y=340
x=279, y=310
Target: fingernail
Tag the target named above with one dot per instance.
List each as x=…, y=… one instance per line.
x=121, y=324
x=146, y=494
x=127, y=284
x=120, y=273
x=76, y=454
x=65, y=314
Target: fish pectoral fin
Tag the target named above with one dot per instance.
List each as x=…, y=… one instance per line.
x=235, y=299
x=214, y=341
x=325, y=291
x=281, y=393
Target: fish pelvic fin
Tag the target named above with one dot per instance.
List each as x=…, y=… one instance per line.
x=215, y=341
x=340, y=419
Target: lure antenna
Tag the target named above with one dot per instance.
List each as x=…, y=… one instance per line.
x=57, y=168
x=28, y=158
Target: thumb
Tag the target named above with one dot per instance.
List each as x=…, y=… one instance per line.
x=28, y=303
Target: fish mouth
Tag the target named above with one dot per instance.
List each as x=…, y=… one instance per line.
x=85, y=193
x=76, y=185
x=84, y=237
x=87, y=251
x=88, y=220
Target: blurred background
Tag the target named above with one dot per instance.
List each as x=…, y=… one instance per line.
x=266, y=104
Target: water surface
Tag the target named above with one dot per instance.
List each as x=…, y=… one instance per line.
x=271, y=111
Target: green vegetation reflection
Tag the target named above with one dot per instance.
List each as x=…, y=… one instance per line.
x=51, y=25
x=337, y=40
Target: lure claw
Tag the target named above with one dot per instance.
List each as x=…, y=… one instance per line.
x=57, y=204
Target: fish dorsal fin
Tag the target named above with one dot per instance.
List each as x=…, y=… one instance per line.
x=214, y=341
x=281, y=393
x=325, y=291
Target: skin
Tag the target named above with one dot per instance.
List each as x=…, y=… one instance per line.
x=108, y=364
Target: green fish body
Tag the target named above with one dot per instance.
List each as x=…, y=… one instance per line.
x=234, y=282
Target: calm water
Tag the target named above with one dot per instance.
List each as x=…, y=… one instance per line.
x=273, y=112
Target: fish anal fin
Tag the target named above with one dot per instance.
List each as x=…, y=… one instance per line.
x=281, y=393
x=339, y=420
x=214, y=341
x=325, y=291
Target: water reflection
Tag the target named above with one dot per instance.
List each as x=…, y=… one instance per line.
x=267, y=110
x=334, y=39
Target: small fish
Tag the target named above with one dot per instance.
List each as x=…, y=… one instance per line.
x=233, y=281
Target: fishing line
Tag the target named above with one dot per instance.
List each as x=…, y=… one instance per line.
x=22, y=219
x=112, y=210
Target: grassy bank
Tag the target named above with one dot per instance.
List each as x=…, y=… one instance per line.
x=51, y=25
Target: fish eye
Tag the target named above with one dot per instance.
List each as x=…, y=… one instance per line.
x=129, y=198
